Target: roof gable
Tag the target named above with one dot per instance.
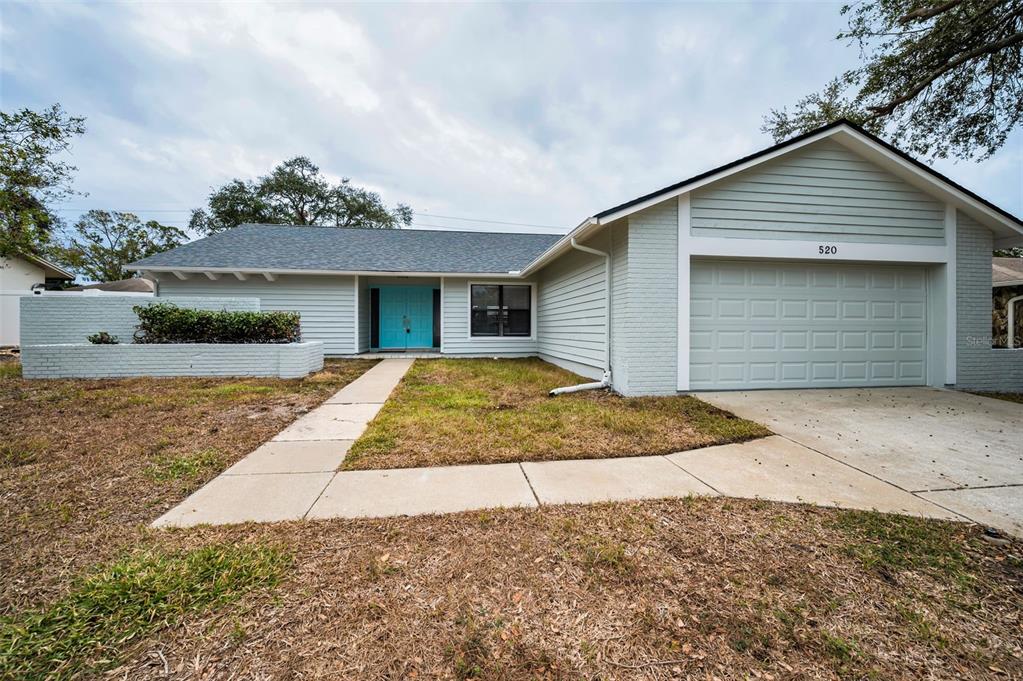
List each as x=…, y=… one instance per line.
x=869, y=147
x=821, y=190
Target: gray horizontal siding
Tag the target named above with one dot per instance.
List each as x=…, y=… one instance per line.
x=326, y=303
x=455, y=339
x=823, y=190
x=572, y=310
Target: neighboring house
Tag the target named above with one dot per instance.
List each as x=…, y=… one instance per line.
x=1006, y=286
x=133, y=285
x=830, y=260
x=20, y=275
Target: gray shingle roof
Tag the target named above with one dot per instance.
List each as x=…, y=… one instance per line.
x=285, y=247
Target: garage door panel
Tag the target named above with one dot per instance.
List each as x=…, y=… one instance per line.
x=763, y=325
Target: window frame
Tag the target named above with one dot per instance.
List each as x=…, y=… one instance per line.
x=500, y=338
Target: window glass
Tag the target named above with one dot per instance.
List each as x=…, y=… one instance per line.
x=486, y=310
x=517, y=323
x=516, y=297
x=485, y=296
x=498, y=310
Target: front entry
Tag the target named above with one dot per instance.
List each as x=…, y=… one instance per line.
x=403, y=317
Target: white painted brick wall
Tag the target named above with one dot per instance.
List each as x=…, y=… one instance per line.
x=288, y=360
x=648, y=324
x=979, y=366
x=52, y=320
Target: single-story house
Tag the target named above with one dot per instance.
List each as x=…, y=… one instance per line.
x=22, y=275
x=829, y=260
x=1006, y=291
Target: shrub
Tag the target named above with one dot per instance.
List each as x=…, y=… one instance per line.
x=102, y=338
x=168, y=323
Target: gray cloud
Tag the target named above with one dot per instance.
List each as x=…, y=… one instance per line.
x=524, y=113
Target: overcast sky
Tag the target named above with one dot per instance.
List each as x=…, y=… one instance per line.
x=534, y=114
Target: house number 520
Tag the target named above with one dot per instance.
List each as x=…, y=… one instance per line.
x=827, y=250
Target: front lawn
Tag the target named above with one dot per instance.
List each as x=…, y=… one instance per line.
x=683, y=589
x=458, y=411
x=691, y=588
x=84, y=464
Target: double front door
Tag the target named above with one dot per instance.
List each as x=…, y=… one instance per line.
x=405, y=317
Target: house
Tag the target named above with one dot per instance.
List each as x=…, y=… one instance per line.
x=1006, y=272
x=1006, y=291
x=829, y=260
x=21, y=275
x=133, y=285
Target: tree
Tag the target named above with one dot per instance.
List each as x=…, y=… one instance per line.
x=31, y=178
x=102, y=242
x=941, y=77
x=295, y=193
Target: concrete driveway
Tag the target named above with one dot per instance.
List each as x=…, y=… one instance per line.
x=960, y=451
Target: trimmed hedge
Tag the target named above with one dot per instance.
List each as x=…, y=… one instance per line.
x=168, y=323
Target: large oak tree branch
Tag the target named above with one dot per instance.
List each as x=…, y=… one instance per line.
x=991, y=48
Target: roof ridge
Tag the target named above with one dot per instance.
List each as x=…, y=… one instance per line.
x=399, y=229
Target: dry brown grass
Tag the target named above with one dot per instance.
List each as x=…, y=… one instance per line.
x=701, y=589
x=490, y=411
x=694, y=588
x=86, y=464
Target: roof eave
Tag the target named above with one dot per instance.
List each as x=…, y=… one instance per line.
x=191, y=269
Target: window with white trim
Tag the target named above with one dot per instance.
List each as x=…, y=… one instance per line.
x=500, y=310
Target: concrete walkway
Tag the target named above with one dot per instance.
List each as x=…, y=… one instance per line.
x=293, y=476
x=282, y=479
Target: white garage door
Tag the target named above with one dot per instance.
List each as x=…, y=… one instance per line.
x=757, y=324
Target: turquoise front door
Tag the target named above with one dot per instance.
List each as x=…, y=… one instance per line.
x=406, y=317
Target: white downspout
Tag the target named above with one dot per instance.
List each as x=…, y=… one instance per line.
x=1010, y=313
x=605, y=381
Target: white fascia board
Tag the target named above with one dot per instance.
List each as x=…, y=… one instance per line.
x=792, y=249
x=1000, y=284
x=365, y=273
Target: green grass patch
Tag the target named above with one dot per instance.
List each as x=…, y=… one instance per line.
x=184, y=466
x=122, y=602
x=16, y=453
x=9, y=369
x=891, y=544
x=451, y=411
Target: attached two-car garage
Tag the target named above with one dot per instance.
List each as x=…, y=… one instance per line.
x=779, y=324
